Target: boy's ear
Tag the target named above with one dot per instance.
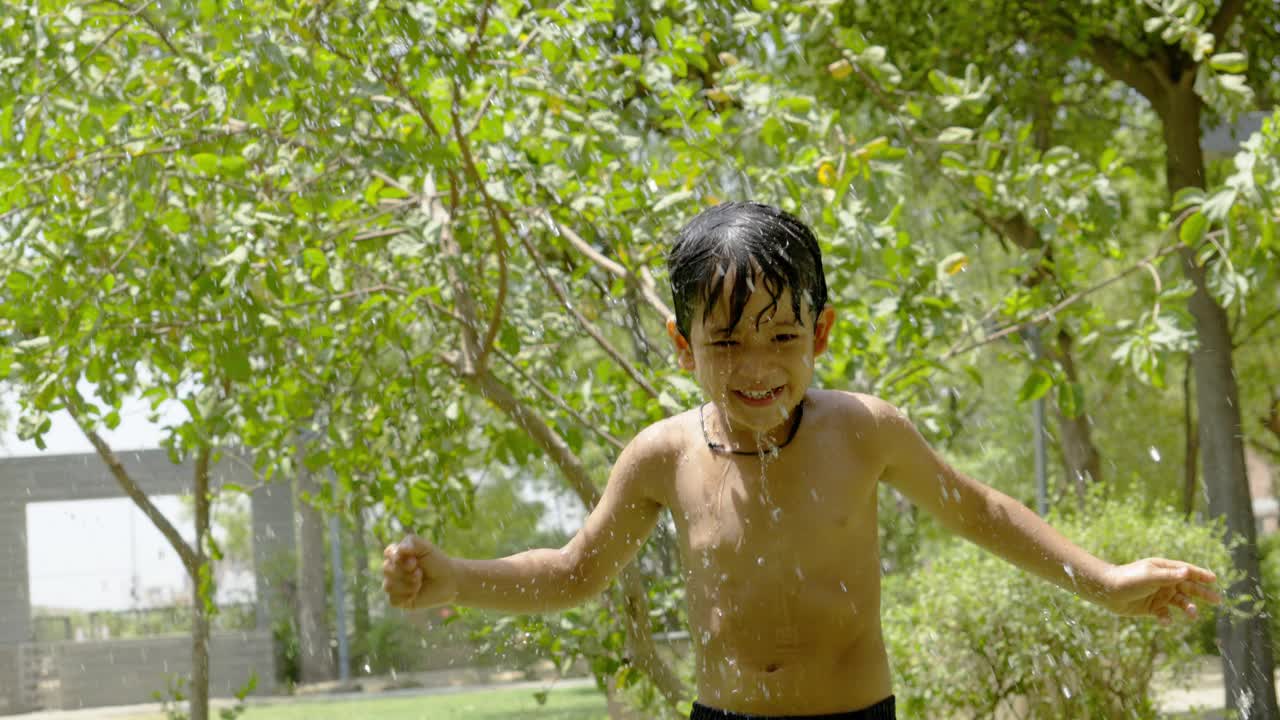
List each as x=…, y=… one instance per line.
x=822, y=329
x=684, y=353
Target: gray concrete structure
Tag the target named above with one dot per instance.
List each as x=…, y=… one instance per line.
x=121, y=671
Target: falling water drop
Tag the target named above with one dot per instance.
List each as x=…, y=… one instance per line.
x=1155, y=454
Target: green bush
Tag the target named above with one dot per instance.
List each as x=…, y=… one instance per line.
x=969, y=633
x=1269, y=560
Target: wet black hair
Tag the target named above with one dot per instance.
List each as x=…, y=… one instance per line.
x=744, y=239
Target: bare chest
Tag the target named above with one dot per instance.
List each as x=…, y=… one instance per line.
x=796, y=511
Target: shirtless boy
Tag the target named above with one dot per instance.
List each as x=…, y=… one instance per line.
x=772, y=486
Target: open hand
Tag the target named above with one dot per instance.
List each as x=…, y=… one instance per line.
x=416, y=574
x=1155, y=586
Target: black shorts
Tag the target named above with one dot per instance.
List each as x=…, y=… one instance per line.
x=882, y=710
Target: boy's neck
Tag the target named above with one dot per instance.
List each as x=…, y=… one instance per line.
x=721, y=438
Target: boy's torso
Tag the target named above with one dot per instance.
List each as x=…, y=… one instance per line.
x=782, y=565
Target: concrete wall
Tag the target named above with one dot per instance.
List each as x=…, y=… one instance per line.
x=124, y=672
x=48, y=478
x=15, y=608
x=9, y=679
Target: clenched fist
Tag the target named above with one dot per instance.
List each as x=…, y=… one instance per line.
x=416, y=574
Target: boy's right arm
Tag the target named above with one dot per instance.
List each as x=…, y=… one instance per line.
x=416, y=574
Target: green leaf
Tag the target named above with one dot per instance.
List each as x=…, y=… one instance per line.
x=232, y=163
x=6, y=122
x=235, y=363
x=1219, y=204
x=1186, y=197
x=1035, y=386
x=662, y=31
x=315, y=259
x=18, y=281
x=175, y=220
x=1229, y=62
x=1192, y=230
x=1071, y=399
x=953, y=135
x=207, y=162
x=983, y=183
x=672, y=199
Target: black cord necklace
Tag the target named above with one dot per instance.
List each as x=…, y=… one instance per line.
x=717, y=447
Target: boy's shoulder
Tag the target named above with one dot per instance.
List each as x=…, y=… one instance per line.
x=659, y=446
x=843, y=406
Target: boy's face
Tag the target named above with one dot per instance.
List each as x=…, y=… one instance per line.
x=756, y=372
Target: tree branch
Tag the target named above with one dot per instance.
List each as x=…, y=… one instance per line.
x=636, y=604
x=586, y=324
x=93, y=50
x=1066, y=302
x=559, y=401
x=190, y=560
x=1254, y=330
x=1141, y=74
x=154, y=27
x=644, y=285
x=499, y=236
x=1221, y=22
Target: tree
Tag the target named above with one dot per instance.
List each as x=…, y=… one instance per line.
x=428, y=236
x=1186, y=60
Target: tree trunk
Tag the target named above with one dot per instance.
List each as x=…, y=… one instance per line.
x=360, y=584
x=635, y=613
x=1191, y=443
x=1080, y=457
x=316, y=658
x=193, y=557
x=202, y=597
x=1247, y=662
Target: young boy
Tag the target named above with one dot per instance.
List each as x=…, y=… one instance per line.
x=772, y=486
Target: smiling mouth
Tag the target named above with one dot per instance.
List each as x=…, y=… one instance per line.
x=759, y=397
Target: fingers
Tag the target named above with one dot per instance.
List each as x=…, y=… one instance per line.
x=1197, y=590
x=1177, y=570
x=402, y=572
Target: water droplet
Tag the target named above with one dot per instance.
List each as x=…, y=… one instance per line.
x=1155, y=454
x=843, y=587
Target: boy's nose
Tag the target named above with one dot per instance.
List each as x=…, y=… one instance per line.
x=755, y=364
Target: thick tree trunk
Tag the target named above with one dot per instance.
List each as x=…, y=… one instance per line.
x=1080, y=457
x=316, y=658
x=1191, y=443
x=1247, y=662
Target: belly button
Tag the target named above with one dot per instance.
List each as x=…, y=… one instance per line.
x=771, y=667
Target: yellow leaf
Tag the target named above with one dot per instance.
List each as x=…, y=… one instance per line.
x=711, y=199
x=955, y=264
x=840, y=69
x=728, y=59
x=719, y=95
x=827, y=174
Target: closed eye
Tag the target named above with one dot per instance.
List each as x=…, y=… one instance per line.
x=724, y=343
x=784, y=337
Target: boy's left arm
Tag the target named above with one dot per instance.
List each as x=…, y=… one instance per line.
x=1002, y=525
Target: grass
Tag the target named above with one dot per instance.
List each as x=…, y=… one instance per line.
x=583, y=703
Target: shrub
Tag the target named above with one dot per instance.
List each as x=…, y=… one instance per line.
x=969, y=633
